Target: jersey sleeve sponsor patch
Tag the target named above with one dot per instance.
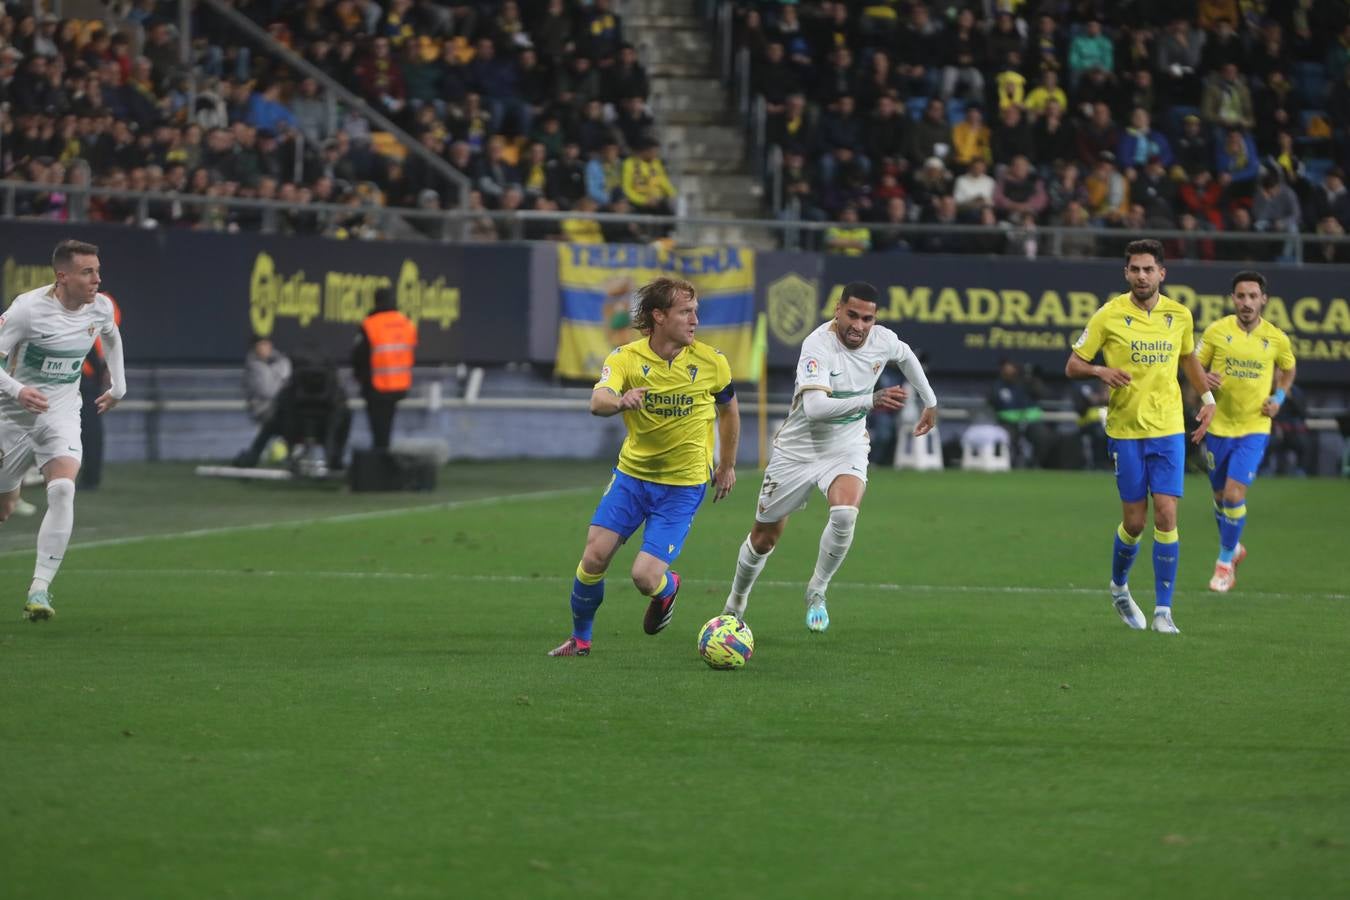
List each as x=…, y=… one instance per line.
x=811, y=366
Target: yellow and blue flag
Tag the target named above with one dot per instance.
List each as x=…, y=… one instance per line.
x=597, y=282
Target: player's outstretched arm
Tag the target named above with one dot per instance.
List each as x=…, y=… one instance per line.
x=117, y=374
x=14, y=331
x=1198, y=377
x=729, y=441
x=1284, y=380
x=605, y=402
x=1077, y=367
x=927, y=421
x=29, y=398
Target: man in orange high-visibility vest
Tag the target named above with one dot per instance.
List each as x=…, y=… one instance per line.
x=382, y=361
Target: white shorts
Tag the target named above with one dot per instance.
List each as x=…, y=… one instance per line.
x=42, y=442
x=788, y=482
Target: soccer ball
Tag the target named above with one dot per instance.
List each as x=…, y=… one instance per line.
x=726, y=643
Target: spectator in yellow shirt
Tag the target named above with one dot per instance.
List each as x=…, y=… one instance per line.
x=848, y=238
x=645, y=183
x=578, y=230
x=970, y=138
x=1046, y=91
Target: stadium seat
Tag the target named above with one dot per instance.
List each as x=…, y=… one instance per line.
x=1316, y=169
x=1315, y=133
x=984, y=448
x=956, y=110
x=1310, y=83
x=922, y=453
x=916, y=106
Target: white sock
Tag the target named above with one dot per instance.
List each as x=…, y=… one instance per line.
x=749, y=564
x=54, y=534
x=834, y=543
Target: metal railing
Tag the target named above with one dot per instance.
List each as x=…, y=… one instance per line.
x=445, y=225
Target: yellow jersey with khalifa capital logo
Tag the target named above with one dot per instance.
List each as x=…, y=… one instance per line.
x=1248, y=363
x=670, y=440
x=1149, y=346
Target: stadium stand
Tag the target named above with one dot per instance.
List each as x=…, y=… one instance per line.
x=515, y=96
x=1142, y=115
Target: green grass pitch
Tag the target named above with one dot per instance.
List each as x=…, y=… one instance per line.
x=353, y=700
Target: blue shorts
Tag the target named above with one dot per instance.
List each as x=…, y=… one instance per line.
x=668, y=510
x=1149, y=466
x=1237, y=458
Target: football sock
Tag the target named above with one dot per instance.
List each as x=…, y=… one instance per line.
x=666, y=587
x=1233, y=519
x=748, y=566
x=588, y=592
x=834, y=543
x=54, y=534
x=1166, y=552
x=1127, y=548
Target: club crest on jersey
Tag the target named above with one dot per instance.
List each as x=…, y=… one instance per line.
x=1167, y=319
x=876, y=367
x=90, y=330
x=1265, y=343
x=1229, y=338
x=693, y=373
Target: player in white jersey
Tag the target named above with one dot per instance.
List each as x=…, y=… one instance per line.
x=44, y=337
x=824, y=441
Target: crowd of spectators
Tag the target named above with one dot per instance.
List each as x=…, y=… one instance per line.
x=1201, y=116
x=539, y=104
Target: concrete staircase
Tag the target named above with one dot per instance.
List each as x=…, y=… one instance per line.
x=703, y=138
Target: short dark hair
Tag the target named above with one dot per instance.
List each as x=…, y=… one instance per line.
x=1146, y=246
x=658, y=294
x=68, y=250
x=860, y=290
x=1249, y=275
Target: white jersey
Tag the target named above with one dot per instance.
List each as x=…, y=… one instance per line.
x=44, y=345
x=826, y=364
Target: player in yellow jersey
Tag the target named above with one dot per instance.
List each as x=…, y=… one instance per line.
x=670, y=389
x=1144, y=337
x=1251, y=355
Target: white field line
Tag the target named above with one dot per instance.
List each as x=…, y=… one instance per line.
x=315, y=520
x=562, y=579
